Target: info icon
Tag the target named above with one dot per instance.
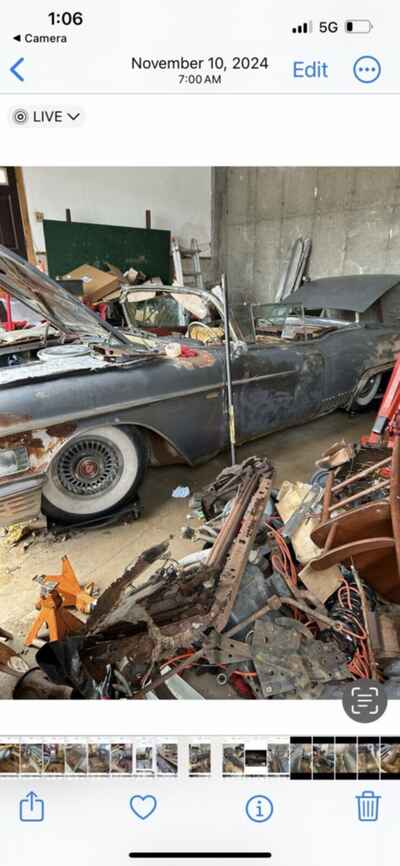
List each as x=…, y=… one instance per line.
x=364, y=701
x=259, y=809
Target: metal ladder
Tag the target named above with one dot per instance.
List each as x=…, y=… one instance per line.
x=193, y=278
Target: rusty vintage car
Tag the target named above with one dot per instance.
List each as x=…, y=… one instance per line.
x=80, y=422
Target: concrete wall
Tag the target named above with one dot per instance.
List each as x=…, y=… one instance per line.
x=352, y=215
x=179, y=199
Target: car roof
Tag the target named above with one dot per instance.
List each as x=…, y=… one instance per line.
x=355, y=293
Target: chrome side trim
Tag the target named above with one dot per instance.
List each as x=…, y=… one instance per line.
x=290, y=372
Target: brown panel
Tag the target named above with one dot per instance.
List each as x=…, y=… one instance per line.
x=11, y=228
x=363, y=536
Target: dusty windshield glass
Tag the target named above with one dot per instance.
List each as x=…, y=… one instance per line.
x=280, y=319
x=170, y=310
x=242, y=316
x=160, y=311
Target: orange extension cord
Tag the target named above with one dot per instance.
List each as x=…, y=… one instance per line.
x=359, y=665
x=284, y=565
x=283, y=562
x=188, y=654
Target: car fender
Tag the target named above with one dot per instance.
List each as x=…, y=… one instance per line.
x=176, y=431
x=367, y=374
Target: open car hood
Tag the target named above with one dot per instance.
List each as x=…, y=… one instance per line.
x=52, y=302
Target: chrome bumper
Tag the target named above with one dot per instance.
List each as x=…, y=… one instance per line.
x=20, y=500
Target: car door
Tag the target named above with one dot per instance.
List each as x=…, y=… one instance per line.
x=277, y=384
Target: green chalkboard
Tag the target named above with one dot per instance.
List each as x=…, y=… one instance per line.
x=70, y=244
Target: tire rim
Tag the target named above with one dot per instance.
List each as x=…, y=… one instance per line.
x=88, y=467
x=369, y=390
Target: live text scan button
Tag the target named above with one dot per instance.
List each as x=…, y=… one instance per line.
x=47, y=116
x=365, y=701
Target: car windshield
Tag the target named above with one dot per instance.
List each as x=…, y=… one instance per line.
x=283, y=320
x=187, y=313
x=156, y=311
x=165, y=312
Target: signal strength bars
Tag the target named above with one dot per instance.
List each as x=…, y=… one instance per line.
x=305, y=28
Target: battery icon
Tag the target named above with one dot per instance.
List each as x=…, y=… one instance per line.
x=358, y=25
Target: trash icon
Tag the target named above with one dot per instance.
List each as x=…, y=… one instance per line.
x=368, y=806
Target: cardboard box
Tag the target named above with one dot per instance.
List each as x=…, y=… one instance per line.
x=75, y=287
x=97, y=284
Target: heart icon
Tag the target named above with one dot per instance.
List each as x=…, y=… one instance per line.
x=143, y=807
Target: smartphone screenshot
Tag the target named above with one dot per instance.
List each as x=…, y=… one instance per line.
x=199, y=433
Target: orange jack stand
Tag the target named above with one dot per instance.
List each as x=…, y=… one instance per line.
x=72, y=594
x=59, y=621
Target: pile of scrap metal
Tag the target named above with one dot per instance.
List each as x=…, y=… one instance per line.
x=335, y=544
x=135, y=631
x=294, y=592
x=219, y=611
x=359, y=529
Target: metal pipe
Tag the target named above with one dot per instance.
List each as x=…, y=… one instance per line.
x=395, y=492
x=362, y=474
x=229, y=390
x=367, y=492
x=327, y=498
x=230, y=527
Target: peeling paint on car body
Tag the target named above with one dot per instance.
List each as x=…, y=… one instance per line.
x=40, y=445
x=9, y=419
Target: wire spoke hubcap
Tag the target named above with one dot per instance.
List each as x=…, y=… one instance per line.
x=88, y=467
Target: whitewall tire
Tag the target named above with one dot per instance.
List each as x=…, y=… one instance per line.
x=94, y=473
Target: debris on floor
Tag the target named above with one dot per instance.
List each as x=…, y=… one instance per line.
x=37, y=530
x=30, y=532
x=293, y=592
x=181, y=492
x=17, y=532
x=11, y=662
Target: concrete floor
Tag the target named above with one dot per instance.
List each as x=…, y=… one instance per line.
x=102, y=555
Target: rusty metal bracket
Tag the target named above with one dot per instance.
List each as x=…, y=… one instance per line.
x=232, y=573
x=219, y=649
x=286, y=661
x=384, y=631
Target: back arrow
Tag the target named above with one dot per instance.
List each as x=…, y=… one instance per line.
x=14, y=69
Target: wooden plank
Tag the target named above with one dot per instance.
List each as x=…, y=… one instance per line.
x=23, y=204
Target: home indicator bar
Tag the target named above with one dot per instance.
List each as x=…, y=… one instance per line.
x=211, y=855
